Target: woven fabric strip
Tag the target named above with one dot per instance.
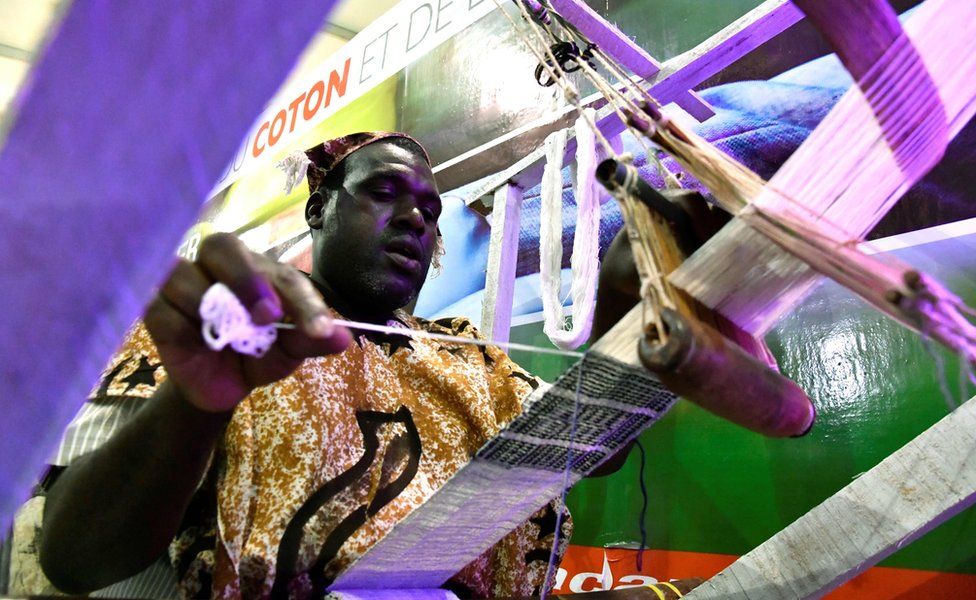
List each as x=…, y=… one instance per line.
x=516, y=473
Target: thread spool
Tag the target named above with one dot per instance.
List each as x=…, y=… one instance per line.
x=702, y=366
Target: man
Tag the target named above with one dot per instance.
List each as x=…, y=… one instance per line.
x=313, y=452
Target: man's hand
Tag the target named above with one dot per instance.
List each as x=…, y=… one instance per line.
x=217, y=381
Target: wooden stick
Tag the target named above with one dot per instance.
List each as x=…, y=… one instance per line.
x=86, y=112
x=496, y=310
x=859, y=30
x=920, y=486
x=842, y=174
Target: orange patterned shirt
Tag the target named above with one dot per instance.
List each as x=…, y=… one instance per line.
x=315, y=469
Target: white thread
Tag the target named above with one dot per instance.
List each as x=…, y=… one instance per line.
x=227, y=322
x=443, y=337
x=295, y=166
x=585, y=261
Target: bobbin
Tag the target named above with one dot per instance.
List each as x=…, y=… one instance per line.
x=702, y=366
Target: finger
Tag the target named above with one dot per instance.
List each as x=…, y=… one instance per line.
x=226, y=259
x=169, y=325
x=302, y=302
x=315, y=334
x=185, y=287
x=296, y=344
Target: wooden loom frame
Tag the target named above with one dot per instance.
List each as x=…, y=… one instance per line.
x=890, y=505
x=678, y=75
x=675, y=77
x=117, y=102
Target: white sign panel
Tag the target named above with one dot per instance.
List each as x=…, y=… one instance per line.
x=403, y=34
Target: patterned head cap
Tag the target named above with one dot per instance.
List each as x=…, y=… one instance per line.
x=328, y=154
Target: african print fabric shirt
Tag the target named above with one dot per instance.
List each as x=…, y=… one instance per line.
x=315, y=469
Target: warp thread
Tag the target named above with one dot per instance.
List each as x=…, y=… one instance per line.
x=585, y=260
x=227, y=322
x=567, y=472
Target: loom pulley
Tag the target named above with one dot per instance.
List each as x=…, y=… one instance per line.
x=567, y=56
x=621, y=177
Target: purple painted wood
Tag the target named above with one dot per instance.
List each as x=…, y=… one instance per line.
x=519, y=157
x=496, y=309
x=623, y=49
x=860, y=31
x=127, y=121
x=747, y=33
x=610, y=39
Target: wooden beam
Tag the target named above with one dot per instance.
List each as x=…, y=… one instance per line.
x=496, y=309
x=624, y=50
x=722, y=49
x=860, y=31
x=498, y=155
x=677, y=75
x=605, y=35
x=920, y=486
x=741, y=37
x=78, y=257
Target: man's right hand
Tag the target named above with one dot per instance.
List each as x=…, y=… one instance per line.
x=217, y=381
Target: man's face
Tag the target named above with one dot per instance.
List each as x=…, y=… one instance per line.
x=374, y=239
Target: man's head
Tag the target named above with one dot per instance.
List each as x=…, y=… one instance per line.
x=373, y=214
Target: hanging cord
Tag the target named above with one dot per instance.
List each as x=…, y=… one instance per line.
x=586, y=239
x=551, y=234
x=225, y=322
x=551, y=66
x=654, y=294
x=643, y=511
x=941, y=377
x=557, y=74
x=561, y=507
x=617, y=99
x=426, y=335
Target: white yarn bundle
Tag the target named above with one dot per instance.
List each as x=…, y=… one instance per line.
x=585, y=261
x=227, y=322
